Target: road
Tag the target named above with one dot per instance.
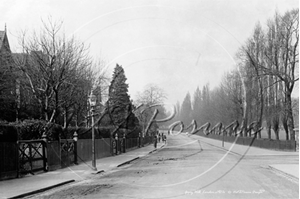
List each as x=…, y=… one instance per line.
x=188, y=168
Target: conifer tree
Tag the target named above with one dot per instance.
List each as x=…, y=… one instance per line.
x=119, y=103
x=197, y=106
x=186, y=110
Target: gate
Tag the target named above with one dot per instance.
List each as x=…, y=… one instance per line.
x=67, y=150
x=32, y=156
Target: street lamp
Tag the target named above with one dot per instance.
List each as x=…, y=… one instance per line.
x=92, y=101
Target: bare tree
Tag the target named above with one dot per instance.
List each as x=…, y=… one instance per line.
x=268, y=61
x=53, y=66
x=151, y=95
x=283, y=59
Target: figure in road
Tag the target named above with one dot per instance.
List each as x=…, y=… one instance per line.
x=155, y=140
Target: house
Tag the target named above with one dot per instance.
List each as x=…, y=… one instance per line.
x=5, y=52
x=7, y=80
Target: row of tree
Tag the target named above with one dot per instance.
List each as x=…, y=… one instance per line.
x=260, y=88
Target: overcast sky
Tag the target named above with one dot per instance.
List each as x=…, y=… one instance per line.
x=176, y=44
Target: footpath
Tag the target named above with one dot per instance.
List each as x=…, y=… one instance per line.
x=32, y=184
x=289, y=170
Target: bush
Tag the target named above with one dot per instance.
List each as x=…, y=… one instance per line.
x=100, y=132
x=34, y=129
x=86, y=133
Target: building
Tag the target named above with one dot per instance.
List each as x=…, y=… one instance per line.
x=7, y=80
x=5, y=52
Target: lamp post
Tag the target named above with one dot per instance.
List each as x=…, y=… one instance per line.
x=92, y=101
x=75, y=138
x=297, y=138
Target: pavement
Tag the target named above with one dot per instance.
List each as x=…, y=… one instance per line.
x=289, y=170
x=33, y=184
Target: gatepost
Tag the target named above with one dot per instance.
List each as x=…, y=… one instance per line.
x=139, y=140
x=124, y=143
x=45, y=163
x=113, y=146
x=75, y=138
x=116, y=144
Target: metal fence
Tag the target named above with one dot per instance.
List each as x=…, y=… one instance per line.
x=30, y=156
x=8, y=160
x=84, y=149
x=282, y=145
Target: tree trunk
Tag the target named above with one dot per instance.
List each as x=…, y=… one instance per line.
x=245, y=105
x=290, y=119
x=46, y=109
x=259, y=134
x=269, y=130
x=244, y=125
x=285, y=126
x=276, y=133
x=287, y=135
x=261, y=106
x=65, y=118
x=276, y=126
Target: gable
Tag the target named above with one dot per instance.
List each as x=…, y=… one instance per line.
x=4, y=44
x=2, y=35
x=5, y=52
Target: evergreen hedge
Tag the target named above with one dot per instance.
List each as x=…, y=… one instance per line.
x=29, y=130
x=102, y=132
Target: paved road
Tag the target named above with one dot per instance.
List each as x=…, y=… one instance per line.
x=188, y=168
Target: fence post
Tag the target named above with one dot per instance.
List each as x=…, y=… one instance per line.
x=111, y=141
x=18, y=159
x=223, y=137
x=44, y=145
x=75, y=138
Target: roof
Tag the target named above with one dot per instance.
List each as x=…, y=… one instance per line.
x=4, y=44
x=2, y=35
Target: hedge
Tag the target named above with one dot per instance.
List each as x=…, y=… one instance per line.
x=102, y=132
x=29, y=130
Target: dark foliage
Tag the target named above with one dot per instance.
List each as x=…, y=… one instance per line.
x=102, y=132
x=29, y=130
x=8, y=133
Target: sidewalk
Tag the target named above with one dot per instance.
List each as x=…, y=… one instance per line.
x=290, y=170
x=21, y=187
x=243, y=149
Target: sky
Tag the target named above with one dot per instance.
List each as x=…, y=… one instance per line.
x=178, y=45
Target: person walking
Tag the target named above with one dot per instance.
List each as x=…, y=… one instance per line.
x=155, y=140
x=159, y=137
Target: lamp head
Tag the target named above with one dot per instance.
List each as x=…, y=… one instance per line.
x=92, y=99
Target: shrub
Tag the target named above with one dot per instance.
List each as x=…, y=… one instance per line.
x=100, y=132
x=34, y=129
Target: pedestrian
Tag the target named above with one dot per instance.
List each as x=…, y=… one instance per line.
x=155, y=140
x=165, y=139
